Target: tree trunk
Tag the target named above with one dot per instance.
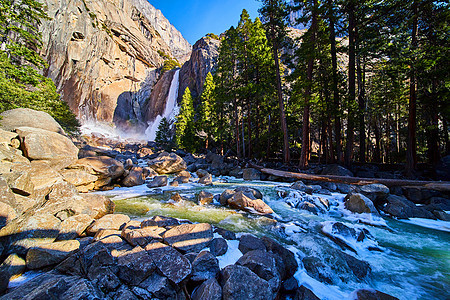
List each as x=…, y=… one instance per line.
x=443, y=186
x=286, y=153
x=306, y=148
x=362, y=107
x=377, y=154
x=236, y=128
x=411, y=151
x=336, y=100
x=351, y=83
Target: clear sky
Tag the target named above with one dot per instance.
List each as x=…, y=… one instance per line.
x=196, y=18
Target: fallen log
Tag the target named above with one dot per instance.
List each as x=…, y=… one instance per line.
x=443, y=186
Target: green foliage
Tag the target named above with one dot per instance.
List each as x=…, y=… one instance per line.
x=165, y=135
x=170, y=64
x=163, y=54
x=205, y=120
x=185, y=133
x=21, y=85
x=212, y=36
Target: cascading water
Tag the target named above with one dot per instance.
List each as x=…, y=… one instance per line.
x=170, y=111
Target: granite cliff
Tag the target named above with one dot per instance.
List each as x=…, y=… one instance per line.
x=105, y=56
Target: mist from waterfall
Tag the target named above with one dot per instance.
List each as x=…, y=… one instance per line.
x=170, y=111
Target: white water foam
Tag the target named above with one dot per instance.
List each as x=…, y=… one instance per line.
x=170, y=111
x=428, y=223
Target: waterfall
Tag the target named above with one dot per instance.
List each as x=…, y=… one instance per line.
x=170, y=111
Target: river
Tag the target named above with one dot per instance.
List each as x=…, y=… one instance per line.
x=407, y=261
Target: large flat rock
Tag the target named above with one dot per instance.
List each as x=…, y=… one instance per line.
x=40, y=144
x=189, y=237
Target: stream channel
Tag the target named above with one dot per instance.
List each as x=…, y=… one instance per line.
x=408, y=259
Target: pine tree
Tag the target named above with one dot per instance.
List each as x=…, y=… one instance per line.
x=165, y=134
x=274, y=14
x=184, y=136
x=21, y=84
x=205, y=120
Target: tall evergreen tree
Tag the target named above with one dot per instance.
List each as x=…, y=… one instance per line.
x=184, y=134
x=21, y=84
x=274, y=14
x=205, y=120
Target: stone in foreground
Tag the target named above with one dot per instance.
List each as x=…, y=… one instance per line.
x=51, y=254
x=189, y=237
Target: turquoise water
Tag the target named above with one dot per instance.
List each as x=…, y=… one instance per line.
x=414, y=263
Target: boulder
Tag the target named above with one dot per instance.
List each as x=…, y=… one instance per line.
x=402, y=208
x=227, y=194
x=303, y=293
x=181, y=179
x=189, y=237
x=358, y=267
x=365, y=294
x=204, y=198
x=317, y=269
x=134, y=177
x=135, y=266
x=251, y=174
x=289, y=286
x=299, y=186
x=174, y=183
x=7, y=213
x=240, y=201
x=160, y=221
x=376, y=192
x=81, y=179
x=13, y=266
x=176, y=197
x=142, y=236
x=19, y=182
x=9, y=139
x=250, y=192
x=206, y=180
x=239, y=282
x=99, y=205
x=237, y=172
x=50, y=254
x=42, y=175
x=358, y=203
x=336, y=170
x=104, y=167
x=208, y=290
x=169, y=261
x=25, y=117
x=54, y=286
x=264, y=265
x=167, y=163
x=205, y=266
x=30, y=230
x=106, y=234
x=286, y=261
x=158, y=181
x=201, y=173
x=218, y=247
x=159, y=286
x=248, y=242
x=74, y=226
x=40, y=144
x=123, y=293
x=226, y=234
x=112, y=222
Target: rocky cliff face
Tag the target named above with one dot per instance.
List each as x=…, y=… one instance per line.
x=104, y=55
x=203, y=60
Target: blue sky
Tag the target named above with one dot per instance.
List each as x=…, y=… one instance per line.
x=196, y=18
